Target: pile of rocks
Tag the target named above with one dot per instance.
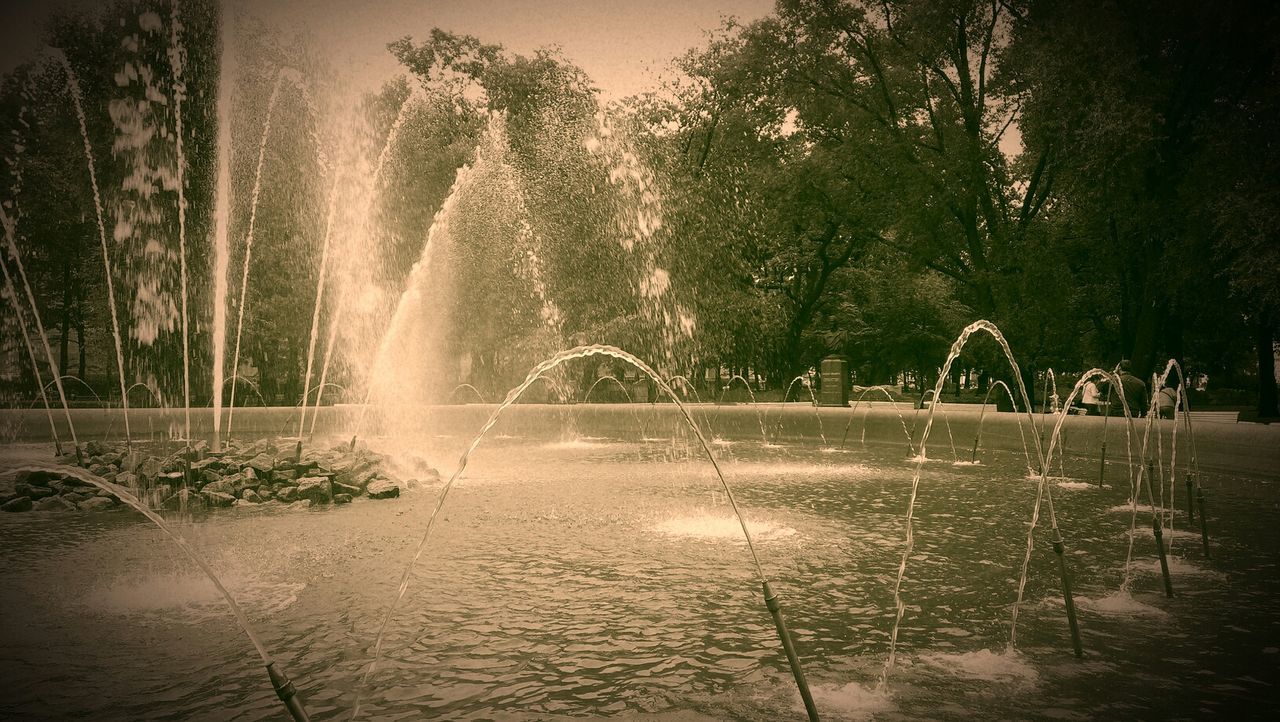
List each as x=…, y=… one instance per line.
x=195, y=477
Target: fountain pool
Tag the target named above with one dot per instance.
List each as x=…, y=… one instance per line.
x=607, y=578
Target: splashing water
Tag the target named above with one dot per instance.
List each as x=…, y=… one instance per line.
x=764, y=435
x=128, y=498
x=512, y=396
x=77, y=103
x=956, y=348
x=9, y=234
x=982, y=414
x=911, y=448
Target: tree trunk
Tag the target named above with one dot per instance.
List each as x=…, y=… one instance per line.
x=65, y=338
x=81, y=369
x=1265, y=337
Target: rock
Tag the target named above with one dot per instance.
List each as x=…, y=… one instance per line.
x=174, y=462
x=287, y=494
x=7, y=496
x=341, y=498
x=217, y=498
x=285, y=474
x=221, y=486
x=340, y=488
x=127, y=480
x=150, y=468
x=206, y=463
x=96, y=503
x=251, y=496
x=249, y=474
x=33, y=491
x=184, y=499
x=382, y=489
x=264, y=492
x=76, y=497
x=159, y=495
x=73, y=481
x=316, y=488
x=96, y=448
x=54, y=503
x=209, y=476
x=130, y=461
x=174, y=478
x=242, y=502
x=38, y=477
x=301, y=504
x=21, y=503
x=98, y=469
x=262, y=464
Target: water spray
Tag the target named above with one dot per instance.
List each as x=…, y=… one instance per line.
x=1191, y=498
x=1204, y=521
x=279, y=680
x=771, y=599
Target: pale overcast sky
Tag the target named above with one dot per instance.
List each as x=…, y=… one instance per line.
x=623, y=46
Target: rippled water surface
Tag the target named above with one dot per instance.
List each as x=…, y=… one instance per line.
x=607, y=577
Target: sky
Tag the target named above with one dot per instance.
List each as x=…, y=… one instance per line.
x=623, y=46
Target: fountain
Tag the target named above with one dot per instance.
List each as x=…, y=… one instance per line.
x=911, y=447
x=580, y=581
x=764, y=436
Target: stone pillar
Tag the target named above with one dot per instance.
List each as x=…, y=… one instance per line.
x=835, y=382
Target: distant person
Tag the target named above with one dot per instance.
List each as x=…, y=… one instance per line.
x=1134, y=390
x=1167, y=401
x=1091, y=398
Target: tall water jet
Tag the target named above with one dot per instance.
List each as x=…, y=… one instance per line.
x=771, y=599
x=222, y=224
x=412, y=314
x=224, y=220
x=366, y=209
x=315, y=316
x=177, y=61
x=11, y=293
x=10, y=234
x=77, y=103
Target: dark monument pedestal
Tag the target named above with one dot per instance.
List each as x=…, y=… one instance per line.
x=835, y=382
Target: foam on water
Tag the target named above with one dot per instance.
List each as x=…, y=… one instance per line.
x=1142, y=509
x=966, y=463
x=1077, y=485
x=1119, y=604
x=1007, y=666
x=917, y=459
x=715, y=527
x=190, y=593
x=1169, y=533
x=1178, y=567
x=582, y=442
x=850, y=702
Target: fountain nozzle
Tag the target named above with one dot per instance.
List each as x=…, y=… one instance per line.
x=1068, y=601
x=1158, y=532
x=775, y=609
x=287, y=693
